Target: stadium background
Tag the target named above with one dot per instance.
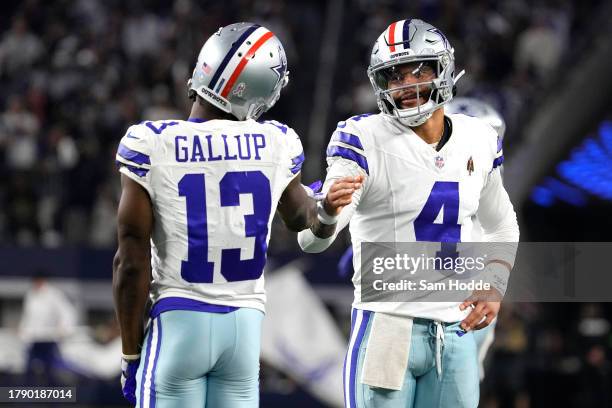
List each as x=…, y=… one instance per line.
x=75, y=74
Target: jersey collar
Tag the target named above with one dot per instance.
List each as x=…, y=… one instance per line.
x=446, y=135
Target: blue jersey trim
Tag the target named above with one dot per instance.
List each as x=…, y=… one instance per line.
x=348, y=138
x=283, y=128
x=133, y=155
x=349, y=155
x=140, y=172
x=297, y=163
x=498, y=162
x=179, y=303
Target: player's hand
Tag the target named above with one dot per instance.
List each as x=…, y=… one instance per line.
x=340, y=194
x=129, y=367
x=485, y=305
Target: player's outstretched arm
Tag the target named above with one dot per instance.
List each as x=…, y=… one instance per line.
x=131, y=266
x=300, y=212
x=498, y=219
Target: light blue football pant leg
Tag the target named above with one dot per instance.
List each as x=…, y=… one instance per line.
x=358, y=395
x=484, y=339
x=234, y=383
x=457, y=387
x=459, y=384
x=200, y=359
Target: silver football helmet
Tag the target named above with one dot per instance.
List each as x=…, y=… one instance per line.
x=478, y=109
x=241, y=70
x=413, y=41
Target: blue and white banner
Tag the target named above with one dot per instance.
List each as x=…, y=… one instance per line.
x=300, y=337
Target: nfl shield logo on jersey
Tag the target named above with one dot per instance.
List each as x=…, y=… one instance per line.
x=439, y=162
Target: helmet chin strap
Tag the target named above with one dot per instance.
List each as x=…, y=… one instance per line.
x=415, y=121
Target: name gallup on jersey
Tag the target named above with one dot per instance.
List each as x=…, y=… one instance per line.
x=207, y=148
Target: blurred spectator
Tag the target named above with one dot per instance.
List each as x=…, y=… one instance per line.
x=539, y=48
x=161, y=108
x=19, y=131
x=19, y=48
x=143, y=33
x=21, y=221
x=48, y=317
x=102, y=232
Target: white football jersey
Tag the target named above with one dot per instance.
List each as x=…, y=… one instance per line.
x=414, y=193
x=214, y=186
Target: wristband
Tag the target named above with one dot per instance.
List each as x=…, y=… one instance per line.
x=323, y=216
x=130, y=357
x=314, y=190
x=497, y=275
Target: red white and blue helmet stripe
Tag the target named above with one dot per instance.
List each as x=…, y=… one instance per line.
x=234, y=63
x=398, y=34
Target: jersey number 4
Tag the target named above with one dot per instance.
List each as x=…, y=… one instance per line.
x=444, y=194
x=197, y=268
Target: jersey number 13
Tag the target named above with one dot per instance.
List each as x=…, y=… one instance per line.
x=197, y=268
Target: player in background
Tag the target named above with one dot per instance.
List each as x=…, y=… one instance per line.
x=481, y=110
x=426, y=176
x=198, y=198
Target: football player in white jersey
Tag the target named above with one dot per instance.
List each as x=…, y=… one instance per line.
x=426, y=176
x=481, y=110
x=198, y=198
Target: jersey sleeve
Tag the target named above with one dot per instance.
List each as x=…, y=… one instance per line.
x=499, y=153
x=133, y=156
x=296, y=153
x=495, y=210
x=294, y=158
x=346, y=146
x=346, y=156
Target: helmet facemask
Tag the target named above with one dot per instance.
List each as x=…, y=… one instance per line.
x=431, y=91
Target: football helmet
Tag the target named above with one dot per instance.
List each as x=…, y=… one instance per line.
x=478, y=109
x=413, y=41
x=241, y=70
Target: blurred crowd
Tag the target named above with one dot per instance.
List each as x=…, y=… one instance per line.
x=76, y=74
x=512, y=51
x=550, y=354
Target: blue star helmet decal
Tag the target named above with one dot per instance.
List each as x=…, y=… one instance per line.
x=281, y=68
x=442, y=36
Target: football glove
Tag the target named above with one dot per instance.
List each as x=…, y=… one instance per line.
x=129, y=367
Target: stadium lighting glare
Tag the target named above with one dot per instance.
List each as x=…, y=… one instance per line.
x=587, y=170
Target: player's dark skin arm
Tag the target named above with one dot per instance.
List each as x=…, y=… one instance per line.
x=132, y=265
x=299, y=211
